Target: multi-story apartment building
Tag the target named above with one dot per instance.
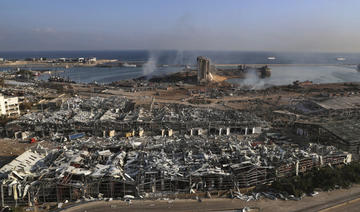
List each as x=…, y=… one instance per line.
x=9, y=106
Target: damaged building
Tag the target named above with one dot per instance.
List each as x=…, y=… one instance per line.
x=115, y=148
x=9, y=106
x=119, y=116
x=330, y=121
x=340, y=133
x=146, y=167
x=204, y=70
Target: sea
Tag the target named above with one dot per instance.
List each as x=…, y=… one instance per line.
x=316, y=67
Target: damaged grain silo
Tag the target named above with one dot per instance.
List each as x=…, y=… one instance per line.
x=204, y=70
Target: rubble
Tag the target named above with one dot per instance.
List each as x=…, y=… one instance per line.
x=119, y=115
x=114, y=147
x=140, y=166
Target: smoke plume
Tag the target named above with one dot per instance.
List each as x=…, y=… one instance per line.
x=252, y=81
x=150, y=66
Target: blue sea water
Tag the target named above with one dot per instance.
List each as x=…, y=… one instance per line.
x=189, y=57
x=106, y=75
x=330, y=71
x=287, y=74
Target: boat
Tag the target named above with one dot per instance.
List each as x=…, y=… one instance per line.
x=340, y=58
x=358, y=67
x=127, y=65
x=271, y=58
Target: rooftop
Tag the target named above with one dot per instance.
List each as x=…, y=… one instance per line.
x=348, y=130
x=340, y=103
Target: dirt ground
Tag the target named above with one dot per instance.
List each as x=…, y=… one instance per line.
x=271, y=98
x=11, y=148
x=320, y=202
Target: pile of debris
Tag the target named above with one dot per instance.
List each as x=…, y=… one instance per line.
x=142, y=166
x=96, y=115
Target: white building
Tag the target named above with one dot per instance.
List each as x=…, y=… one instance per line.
x=92, y=60
x=9, y=106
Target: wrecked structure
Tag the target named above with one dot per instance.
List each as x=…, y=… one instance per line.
x=341, y=133
x=155, y=167
x=116, y=146
x=243, y=71
x=203, y=74
x=98, y=116
x=9, y=106
x=329, y=121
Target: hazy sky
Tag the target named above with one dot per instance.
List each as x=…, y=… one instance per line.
x=269, y=25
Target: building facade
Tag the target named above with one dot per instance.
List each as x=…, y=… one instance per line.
x=9, y=106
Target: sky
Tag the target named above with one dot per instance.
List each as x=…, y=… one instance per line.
x=240, y=25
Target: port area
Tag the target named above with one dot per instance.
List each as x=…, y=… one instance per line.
x=186, y=139
x=52, y=63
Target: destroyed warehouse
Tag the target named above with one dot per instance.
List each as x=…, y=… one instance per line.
x=152, y=167
x=119, y=116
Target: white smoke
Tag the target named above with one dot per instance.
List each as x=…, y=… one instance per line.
x=179, y=59
x=149, y=67
x=252, y=81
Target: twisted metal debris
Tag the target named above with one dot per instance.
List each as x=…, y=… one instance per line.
x=150, y=165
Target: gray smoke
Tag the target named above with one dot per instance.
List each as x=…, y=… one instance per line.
x=252, y=81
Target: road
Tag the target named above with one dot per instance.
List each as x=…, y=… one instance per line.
x=351, y=202
x=338, y=200
x=352, y=205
